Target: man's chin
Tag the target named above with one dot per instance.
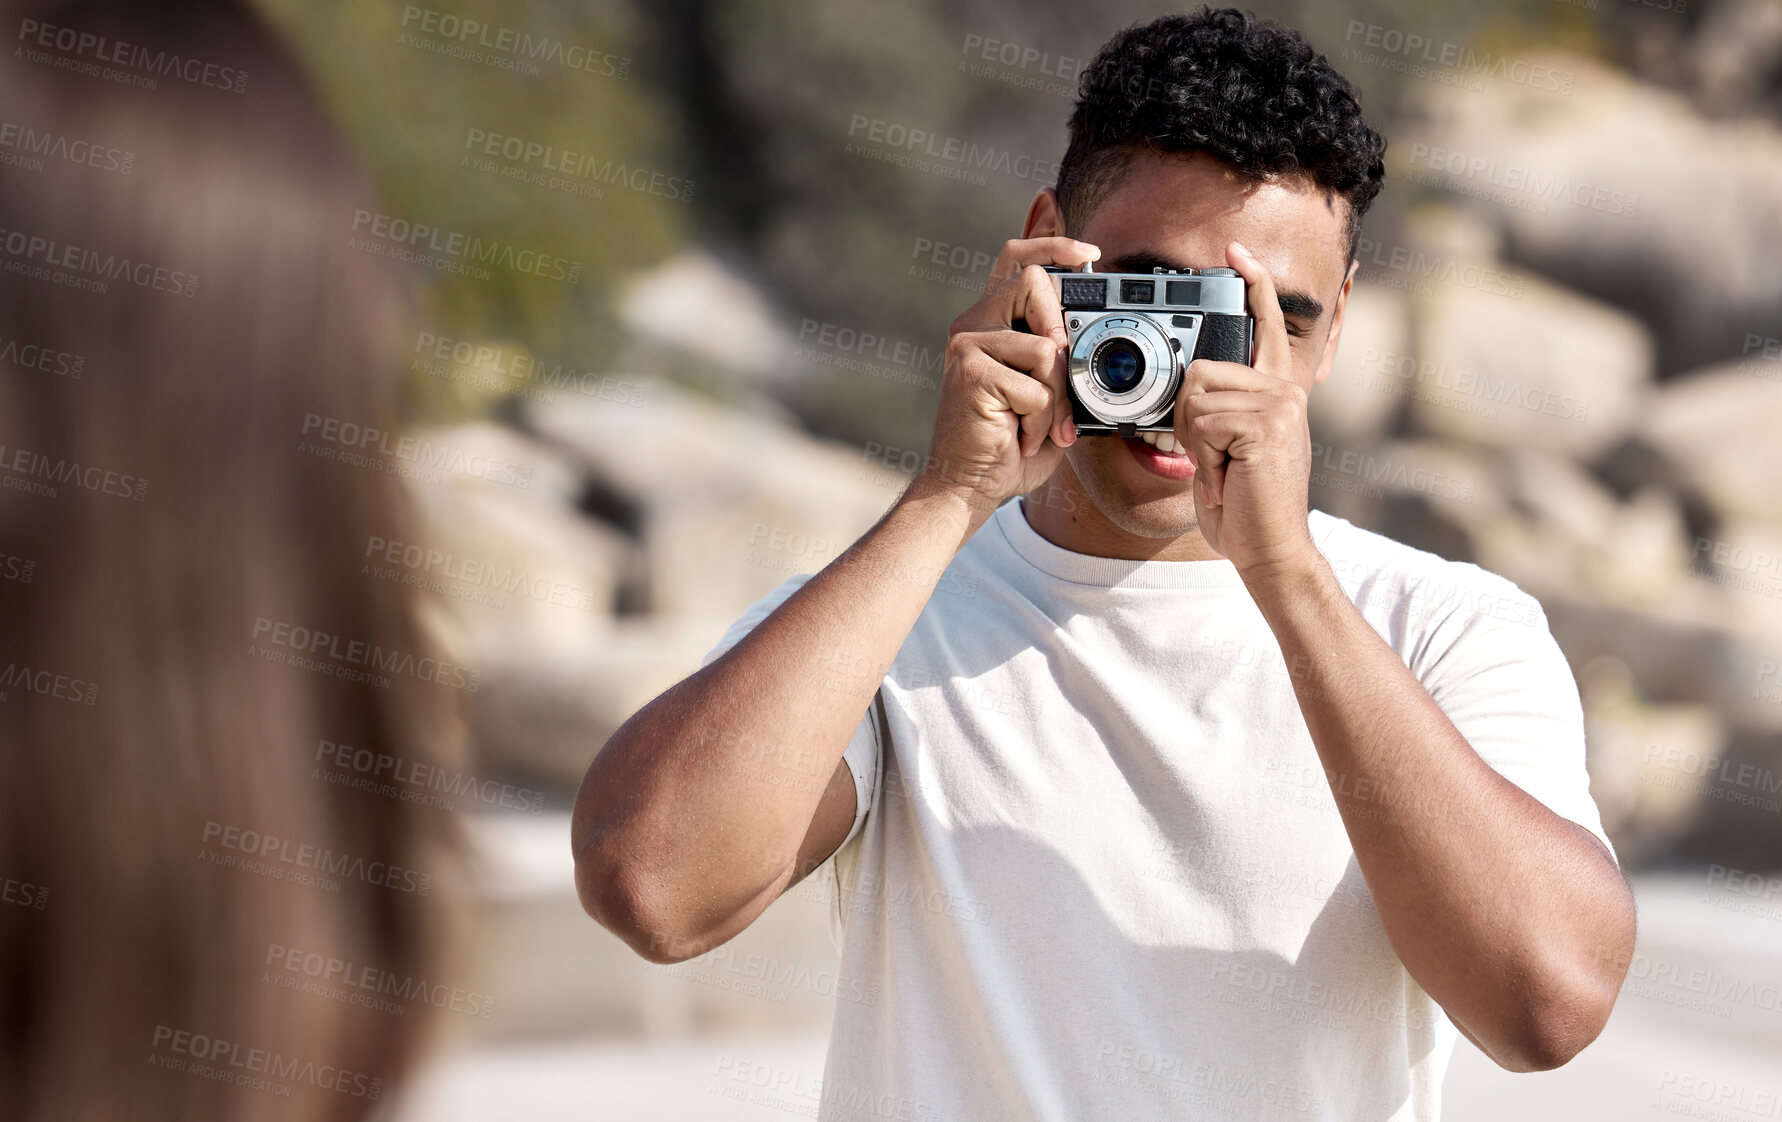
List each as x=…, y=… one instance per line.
x=1145, y=505
x=1162, y=519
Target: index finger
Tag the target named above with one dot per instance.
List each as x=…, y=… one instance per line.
x=1033, y=301
x=1018, y=253
x=1265, y=308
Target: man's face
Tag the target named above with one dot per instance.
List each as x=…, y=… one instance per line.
x=1180, y=211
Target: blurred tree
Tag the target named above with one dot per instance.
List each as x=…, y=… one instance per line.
x=409, y=83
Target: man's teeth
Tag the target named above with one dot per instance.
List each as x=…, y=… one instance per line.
x=1164, y=441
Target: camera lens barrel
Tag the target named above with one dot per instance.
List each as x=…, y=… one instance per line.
x=1123, y=369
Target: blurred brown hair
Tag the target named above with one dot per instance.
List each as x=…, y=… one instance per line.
x=147, y=586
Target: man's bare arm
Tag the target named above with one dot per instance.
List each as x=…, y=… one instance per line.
x=722, y=792
x=686, y=827
x=1515, y=920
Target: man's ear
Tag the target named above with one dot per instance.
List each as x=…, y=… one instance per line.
x=1328, y=359
x=1045, y=218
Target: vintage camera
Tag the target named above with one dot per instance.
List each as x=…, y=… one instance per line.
x=1132, y=336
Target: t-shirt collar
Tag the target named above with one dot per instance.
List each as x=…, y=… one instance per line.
x=1114, y=572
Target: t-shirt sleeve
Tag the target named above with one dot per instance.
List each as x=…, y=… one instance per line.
x=862, y=752
x=1492, y=664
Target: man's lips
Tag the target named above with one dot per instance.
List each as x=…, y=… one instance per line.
x=1170, y=465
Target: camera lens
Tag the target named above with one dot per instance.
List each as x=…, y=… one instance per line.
x=1118, y=366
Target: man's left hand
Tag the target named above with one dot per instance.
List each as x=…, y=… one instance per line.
x=1245, y=429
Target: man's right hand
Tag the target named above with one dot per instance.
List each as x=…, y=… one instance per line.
x=1004, y=416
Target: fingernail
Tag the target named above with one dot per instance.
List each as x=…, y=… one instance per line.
x=1244, y=250
x=1070, y=429
x=1089, y=250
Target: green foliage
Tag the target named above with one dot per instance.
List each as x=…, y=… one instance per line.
x=408, y=108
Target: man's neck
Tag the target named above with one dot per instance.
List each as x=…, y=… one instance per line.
x=1062, y=512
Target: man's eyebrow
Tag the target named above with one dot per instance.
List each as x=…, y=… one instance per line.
x=1298, y=305
x=1294, y=304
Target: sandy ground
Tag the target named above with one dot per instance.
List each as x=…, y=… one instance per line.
x=1697, y=1033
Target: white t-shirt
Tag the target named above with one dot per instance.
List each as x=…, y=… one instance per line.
x=1097, y=870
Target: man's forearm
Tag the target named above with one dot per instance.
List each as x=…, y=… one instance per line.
x=1513, y=919
x=690, y=819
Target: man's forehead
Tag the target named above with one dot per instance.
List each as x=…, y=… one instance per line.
x=1184, y=209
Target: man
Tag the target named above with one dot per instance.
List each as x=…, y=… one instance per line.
x=1170, y=798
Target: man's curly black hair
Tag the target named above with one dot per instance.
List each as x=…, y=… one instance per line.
x=1251, y=93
